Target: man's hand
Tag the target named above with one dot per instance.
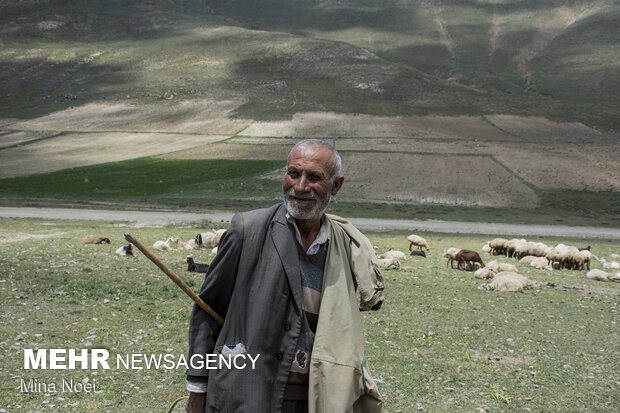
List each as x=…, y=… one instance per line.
x=197, y=403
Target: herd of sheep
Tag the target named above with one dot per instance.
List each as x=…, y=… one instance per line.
x=503, y=276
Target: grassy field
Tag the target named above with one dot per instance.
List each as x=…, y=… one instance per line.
x=438, y=343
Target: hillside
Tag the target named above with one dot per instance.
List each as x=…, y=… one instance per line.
x=393, y=57
x=510, y=106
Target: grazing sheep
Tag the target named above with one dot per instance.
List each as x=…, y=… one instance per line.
x=467, y=258
x=484, y=273
x=486, y=248
x=450, y=254
x=95, y=239
x=418, y=242
x=166, y=245
x=206, y=239
x=387, y=263
x=493, y=266
x=194, y=266
x=498, y=246
x=600, y=275
x=214, y=251
x=509, y=282
x=125, y=250
x=418, y=254
x=588, y=248
x=392, y=253
x=615, y=255
x=209, y=239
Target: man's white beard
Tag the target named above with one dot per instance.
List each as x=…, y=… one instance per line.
x=302, y=212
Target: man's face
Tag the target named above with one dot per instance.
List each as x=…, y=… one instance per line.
x=307, y=185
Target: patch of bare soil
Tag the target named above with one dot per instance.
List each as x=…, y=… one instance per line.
x=233, y=151
x=13, y=138
x=543, y=130
x=566, y=167
x=452, y=180
x=81, y=149
x=182, y=117
x=325, y=124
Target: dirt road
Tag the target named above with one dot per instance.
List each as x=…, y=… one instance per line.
x=157, y=218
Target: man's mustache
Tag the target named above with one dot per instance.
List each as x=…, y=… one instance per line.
x=312, y=195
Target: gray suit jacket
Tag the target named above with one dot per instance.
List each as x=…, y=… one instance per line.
x=254, y=282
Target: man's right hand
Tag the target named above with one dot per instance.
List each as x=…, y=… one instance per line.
x=197, y=403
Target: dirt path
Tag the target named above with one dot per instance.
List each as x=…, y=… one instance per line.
x=156, y=218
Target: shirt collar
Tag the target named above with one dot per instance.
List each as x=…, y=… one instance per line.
x=321, y=238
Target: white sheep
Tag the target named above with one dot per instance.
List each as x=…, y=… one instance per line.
x=610, y=264
x=450, y=254
x=540, y=263
x=387, y=263
x=484, y=273
x=392, y=253
x=497, y=246
x=125, y=250
x=486, y=248
x=418, y=242
x=528, y=259
x=500, y=266
x=166, y=245
x=509, y=282
x=600, y=275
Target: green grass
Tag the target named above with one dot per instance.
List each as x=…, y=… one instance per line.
x=133, y=178
x=438, y=343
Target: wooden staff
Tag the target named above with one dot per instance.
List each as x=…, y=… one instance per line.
x=178, y=281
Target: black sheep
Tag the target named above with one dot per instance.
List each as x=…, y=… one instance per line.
x=195, y=267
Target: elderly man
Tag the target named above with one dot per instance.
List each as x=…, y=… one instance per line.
x=285, y=280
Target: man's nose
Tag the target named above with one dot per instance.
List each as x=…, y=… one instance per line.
x=302, y=184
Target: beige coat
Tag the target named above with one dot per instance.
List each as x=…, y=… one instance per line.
x=340, y=380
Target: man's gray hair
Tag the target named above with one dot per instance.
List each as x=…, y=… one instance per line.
x=317, y=143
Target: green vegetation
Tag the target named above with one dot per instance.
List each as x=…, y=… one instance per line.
x=385, y=58
x=438, y=343
x=133, y=178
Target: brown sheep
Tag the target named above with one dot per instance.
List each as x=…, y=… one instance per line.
x=467, y=258
x=95, y=239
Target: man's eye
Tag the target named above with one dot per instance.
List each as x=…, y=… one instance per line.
x=293, y=174
x=315, y=178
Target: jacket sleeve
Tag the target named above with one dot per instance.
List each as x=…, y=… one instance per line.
x=216, y=291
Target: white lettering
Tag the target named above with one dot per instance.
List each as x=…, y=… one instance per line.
x=253, y=361
x=169, y=361
x=99, y=356
x=55, y=358
x=211, y=361
x=30, y=360
x=235, y=361
x=124, y=362
x=182, y=362
x=135, y=359
x=226, y=360
x=82, y=358
x=201, y=364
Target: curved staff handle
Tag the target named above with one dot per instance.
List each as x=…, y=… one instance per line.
x=129, y=237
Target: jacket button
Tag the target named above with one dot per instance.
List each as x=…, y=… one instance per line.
x=287, y=326
x=279, y=356
x=285, y=291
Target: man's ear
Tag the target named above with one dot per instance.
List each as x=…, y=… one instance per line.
x=337, y=185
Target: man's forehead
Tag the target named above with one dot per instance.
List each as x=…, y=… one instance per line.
x=320, y=156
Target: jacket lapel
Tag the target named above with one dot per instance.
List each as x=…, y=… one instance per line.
x=285, y=246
